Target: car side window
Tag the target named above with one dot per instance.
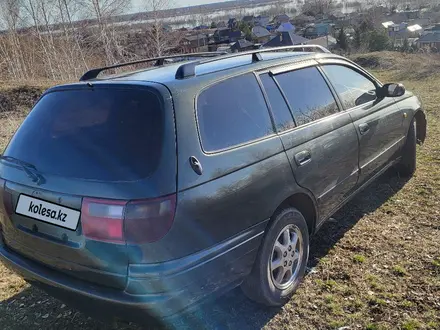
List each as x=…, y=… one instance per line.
x=282, y=116
x=308, y=94
x=352, y=87
x=232, y=112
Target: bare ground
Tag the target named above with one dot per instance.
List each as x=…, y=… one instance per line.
x=374, y=265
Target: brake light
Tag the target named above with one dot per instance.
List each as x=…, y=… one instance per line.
x=134, y=222
x=148, y=221
x=102, y=220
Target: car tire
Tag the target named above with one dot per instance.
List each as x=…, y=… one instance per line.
x=407, y=164
x=285, y=245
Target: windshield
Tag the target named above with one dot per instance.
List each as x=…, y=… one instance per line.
x=95, y=134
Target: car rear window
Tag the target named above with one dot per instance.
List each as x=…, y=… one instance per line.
x=106, y=134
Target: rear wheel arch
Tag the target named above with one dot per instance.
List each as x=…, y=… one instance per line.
x=304, y=204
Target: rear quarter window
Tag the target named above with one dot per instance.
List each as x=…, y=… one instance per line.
x=107, y=134
x=231, y=113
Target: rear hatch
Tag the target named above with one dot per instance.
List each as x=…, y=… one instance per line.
x=91, y=168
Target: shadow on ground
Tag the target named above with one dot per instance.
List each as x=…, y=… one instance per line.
x=34, y=309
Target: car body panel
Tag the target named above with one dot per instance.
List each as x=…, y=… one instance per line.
x=68, y=250
x=153, y=290
x=331, y=174
x=221, y=213
x=384, y=138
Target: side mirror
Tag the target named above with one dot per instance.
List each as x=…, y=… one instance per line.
x=392, y=90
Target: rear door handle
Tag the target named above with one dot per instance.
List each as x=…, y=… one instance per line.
x=364, y=128
x=303, y=157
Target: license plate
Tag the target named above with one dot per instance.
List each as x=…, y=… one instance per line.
x=48, y=212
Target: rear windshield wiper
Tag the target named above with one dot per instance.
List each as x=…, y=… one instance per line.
x=30, y=170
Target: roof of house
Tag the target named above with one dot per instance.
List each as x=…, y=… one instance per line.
x=286, y=26
x=282, y=18
x=195, y=37
x=242, y=43
x=260, y=32
x=227, y=32
x=430, y=37
x=285, y=39
x=326, y=41
x=415, y=27
x=387, y=24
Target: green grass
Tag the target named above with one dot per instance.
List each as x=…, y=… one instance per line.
x=399, y=271
x=411, y=325
x=359, y=258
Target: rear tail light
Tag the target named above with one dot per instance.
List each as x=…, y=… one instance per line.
x=148, y=221
x=102, y=220
x=134, y=222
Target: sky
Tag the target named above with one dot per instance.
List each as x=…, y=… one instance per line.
x=139, y=5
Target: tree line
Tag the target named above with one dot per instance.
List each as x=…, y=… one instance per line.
x=60, y=39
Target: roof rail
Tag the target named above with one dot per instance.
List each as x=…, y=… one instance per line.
x=93, y=73
x=188, y=70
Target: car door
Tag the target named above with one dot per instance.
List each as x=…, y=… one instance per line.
x=378, y=121
x=320, y=142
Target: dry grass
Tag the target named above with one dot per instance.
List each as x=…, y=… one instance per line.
x=376, y=265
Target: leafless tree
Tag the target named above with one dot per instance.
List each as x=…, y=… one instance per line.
x=160, y=40
x=104, y=12
x=10, y=45
x=318, y=6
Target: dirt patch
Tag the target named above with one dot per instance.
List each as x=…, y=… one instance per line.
x=373, y=61
x=19, y=99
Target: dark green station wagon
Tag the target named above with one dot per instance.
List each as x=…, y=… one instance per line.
x=143, y=193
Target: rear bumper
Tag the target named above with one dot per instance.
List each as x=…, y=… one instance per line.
x=159, y=290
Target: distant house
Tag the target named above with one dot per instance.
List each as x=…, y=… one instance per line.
x=404, y=16
x=387, y=24
x=271, y=27
x=399, y=32
x=223, y=35
x=328, y=42
x=302, y=20
x=261, y=34
x=249, y=19
x=283, y=18
x=262, y=20
x=416, y=28
x=221, y=24
x=286, y=39
x=195, y=43
x=224, y=48
x=432, y=29
x=337, y=16
x=242, y=45
x=285, y=27
x=431, y=40
x=317, y=30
